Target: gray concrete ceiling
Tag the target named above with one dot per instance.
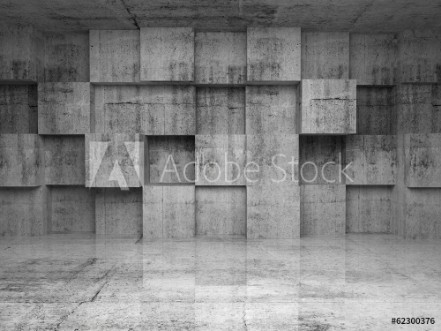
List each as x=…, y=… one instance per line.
x=347, y=15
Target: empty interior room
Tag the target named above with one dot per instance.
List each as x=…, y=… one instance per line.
x=220, y=165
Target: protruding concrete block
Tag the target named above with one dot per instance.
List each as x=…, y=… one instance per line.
x=114, y=160
x=321, y=160
x=152, y=110
x=221, y=211
x=23, y=211
x=325, y=55
x=63, y=108
x=419, y=55
x=171, y=159
x=423, y=160
x=273, y=54
x=328, y=106
x=21, y=53
x=21, y=161
x=272, y=109
x=71, y=209
x=114, y=56
x=220, y=57
x=371, y=160
x=18, y=109
x=169, y=212
x=323, y=210
x=220, y=110
x=273, y=210
x=376, y=110
x=373, y=58
x=220, y=159
x=167, y=54
x=64, y=160
x=369, y=209
x=118, y=213
x=66, y=57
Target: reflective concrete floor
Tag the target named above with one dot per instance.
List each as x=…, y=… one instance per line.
x=359, y=282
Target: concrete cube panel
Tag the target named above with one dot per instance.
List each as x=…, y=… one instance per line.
x=325, y=55
x=171, y=159
x=66, y=57
x=272, y=109
x=423, y=160
x=21, y=161
x=21, y=54
x=373, y=58
x=220, y=110
x=328, y=106
x=63, y=108
x=220, y=159
x=23, y=211
x=371, y=160
x=18, y=108
x=71, y=210
x=220, y=57
x=376, y=110
x=221, y=211
x=273, y=54
x=114, y=160
x=419, y=54
x=114, y=56
x=152, y=110
x=273, y=211
x=169, y=212
x=167, y=54
x=321, y=160
x=64, y=160
x=369, y=209
x=323, y=210
x=118, y=213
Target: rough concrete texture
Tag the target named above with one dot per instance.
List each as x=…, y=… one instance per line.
x=71, y=209
x=369, y=209
x=21, y=53
x=220, y=110
x=373, y=58
x=167, y=54
x=64, y=160
x=114, y=56
x=419, y=54
x=118, y=213
x=273, y=211
x=321, y=159
x=220, y=58
x=114, y=160
x=171, y=159
x=325, y=55
x=66, y=57
x=221, y=211
x=169, y=212
x=372, y=159
x=18, y=108
x=423, y=160
x=152, y=110
x=376, y=112
x=220, y=159
x=323, y=210
x=272, y=109
x=63, y=108
x=273, y=54
x=21, y=161
x=23, y=211
x=328, y=106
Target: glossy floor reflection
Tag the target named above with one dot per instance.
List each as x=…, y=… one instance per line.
x=358, y=282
